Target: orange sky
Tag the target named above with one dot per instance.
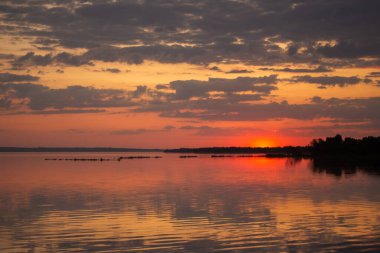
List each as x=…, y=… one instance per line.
x=180, y=82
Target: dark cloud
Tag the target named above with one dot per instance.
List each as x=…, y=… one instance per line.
x=12, y=78
x=239, y=99
x=32, y=59
x=348, y=49
x=62, y=111
x=293, y=50
x=112, y=70
x=160, y=53
x=140, y=90
x=77, y=96
x=130, y=131
x=168, y=127
x=142, y=130
x=39, y=97
x=239, y=71
x=325, y=81
x=197, y=130
x=162, y=87
x=200, y=32
x=6, y=56
x=373, y=75
x=215, y=68
x=331, y=128
x=193, y=88
x=319, y=69
x=5, y=103
x=365, y=109
x=221, y=131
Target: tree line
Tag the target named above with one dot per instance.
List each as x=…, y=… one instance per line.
x=348, y=146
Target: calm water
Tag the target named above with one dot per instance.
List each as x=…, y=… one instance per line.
x=185, y=205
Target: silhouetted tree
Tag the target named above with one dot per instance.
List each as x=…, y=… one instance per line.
x=349, y=146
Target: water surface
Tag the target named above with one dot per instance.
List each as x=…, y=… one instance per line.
x=203, y=204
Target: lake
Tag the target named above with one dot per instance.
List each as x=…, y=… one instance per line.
x=202, y=204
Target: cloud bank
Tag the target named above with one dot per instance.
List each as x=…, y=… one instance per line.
x=198, y=32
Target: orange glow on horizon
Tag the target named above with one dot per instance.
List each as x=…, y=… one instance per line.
x=263, y=142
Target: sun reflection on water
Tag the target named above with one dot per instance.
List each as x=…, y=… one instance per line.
x=198, y=205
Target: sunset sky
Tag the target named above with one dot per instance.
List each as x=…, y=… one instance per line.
x=164, y=74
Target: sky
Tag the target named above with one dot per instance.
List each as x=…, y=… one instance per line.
x=166, y=74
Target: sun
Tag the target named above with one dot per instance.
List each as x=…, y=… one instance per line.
x=262, y=142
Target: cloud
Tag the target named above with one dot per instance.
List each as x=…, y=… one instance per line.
x=373, y=75
x=130, y=131
x=62, y=111
x=319, y=69
x=39, y=97
x=6, y=56
x=198, y=32
x=187, y=89
x=239, y=71
x=162, y=87
x=197, y=130
x=221, y=131
x=32, y=59
x=217, y=99
x=160, y=53
x=142, y=130
x=354, y=129
x=13, y=78
x=342, y=110
x=168, y=127
x=112, y=70
x=77, y=96
x=325, y=81
x=5, y=103
x=348, y=49
x=21, y=90
x=215, y=68
x=140, y=90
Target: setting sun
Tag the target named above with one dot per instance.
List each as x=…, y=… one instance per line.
x=262, y=142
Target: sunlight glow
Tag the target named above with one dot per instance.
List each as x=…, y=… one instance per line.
x=262, y=142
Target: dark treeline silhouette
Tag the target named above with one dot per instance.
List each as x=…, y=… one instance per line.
x=338, y=156
x=74, y=149
x=270, y=151
x=331, y=146
x=347, y=146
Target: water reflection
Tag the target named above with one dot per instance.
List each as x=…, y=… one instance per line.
x=197, y=205
x=342, y=166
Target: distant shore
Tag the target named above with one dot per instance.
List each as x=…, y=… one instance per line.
x=75, y=149
x=332, y=147
x=288, y=151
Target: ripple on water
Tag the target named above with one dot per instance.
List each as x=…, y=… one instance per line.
x=202, y=205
